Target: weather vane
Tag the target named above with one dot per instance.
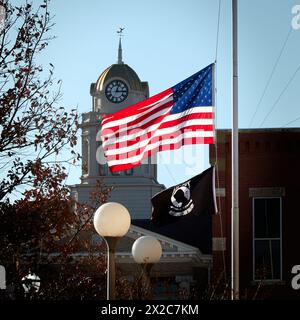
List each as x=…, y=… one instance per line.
x=120, y=32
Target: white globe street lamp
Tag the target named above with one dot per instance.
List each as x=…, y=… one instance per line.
x=111, y=221
x=146, y=251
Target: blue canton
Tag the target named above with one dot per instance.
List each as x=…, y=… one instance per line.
x=195, y=91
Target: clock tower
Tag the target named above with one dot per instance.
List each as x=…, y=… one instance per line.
x=117, y=87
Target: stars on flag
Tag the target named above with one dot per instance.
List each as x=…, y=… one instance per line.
x=196, y=91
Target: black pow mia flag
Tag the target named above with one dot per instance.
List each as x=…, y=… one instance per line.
x=195, y=197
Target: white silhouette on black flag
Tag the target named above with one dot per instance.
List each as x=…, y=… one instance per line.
x=195, y=197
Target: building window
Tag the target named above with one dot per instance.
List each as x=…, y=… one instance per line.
x=267, y=225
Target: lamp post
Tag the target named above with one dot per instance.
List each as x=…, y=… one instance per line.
x=111, y=221
x=146, y=251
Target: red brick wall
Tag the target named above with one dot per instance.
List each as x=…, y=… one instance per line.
x=267, y=158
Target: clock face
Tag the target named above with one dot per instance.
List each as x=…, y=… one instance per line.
x=116, y=91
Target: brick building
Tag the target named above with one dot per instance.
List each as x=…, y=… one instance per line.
x=269, y=177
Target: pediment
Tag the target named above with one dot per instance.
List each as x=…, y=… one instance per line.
x=172, y=249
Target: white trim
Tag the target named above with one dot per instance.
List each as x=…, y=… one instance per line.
x=167, y=256
x=267, y=192
x=116, y=185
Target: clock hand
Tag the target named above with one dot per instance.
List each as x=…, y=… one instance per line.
x=114, y=89
x=121, y=90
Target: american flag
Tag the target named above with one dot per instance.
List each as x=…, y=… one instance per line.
x=180, y=115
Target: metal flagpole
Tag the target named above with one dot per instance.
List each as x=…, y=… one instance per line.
x=235, y=164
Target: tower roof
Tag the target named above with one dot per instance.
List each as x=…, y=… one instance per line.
x=122, y=71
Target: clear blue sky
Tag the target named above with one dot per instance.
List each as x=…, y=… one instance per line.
x=168, y=40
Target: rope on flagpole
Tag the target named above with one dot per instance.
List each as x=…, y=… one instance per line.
x=220, y=209
x=216, y=145
x=171, y=175
x=218, y=31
